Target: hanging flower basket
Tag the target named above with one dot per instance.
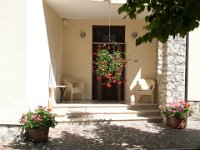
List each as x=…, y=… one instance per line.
x=109, y=65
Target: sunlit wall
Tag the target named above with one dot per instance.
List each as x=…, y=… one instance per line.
x=194, y=63
x=12, y=60
x=24, y=58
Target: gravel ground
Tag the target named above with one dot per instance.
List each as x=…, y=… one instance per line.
x=109, y=136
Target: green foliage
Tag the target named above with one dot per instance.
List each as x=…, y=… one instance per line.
x=40, y=118
x=167, y=17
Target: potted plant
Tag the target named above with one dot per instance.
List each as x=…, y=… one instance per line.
x=109, y=65
x=177, y=113
x=36, y=124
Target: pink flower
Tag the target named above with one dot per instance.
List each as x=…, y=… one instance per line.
x=182, y=102
x=108, y=85
x=180, y=108
x=170, y=111
x=119, y=82
x=38, y=119
x=114, y=81
x=23, y=120
x=33, y=116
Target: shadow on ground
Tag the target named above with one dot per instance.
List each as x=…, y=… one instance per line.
x=108, y=136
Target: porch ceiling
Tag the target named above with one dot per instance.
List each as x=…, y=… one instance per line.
x=86, y=9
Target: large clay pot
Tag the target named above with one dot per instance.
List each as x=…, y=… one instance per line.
x=38, y=134
x=177, y=123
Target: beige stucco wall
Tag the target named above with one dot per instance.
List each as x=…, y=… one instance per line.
x=55, y=39
x=77, y=55
x=12, y=60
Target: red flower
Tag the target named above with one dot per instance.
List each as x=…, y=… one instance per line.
x=49, y=109
x=187, y=105
x=101, y=62
x=108, y=75
x=114, y=81
x=108, y=85
x=98, y=78
x=119, y=82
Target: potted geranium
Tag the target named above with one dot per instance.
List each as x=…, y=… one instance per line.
x=109, y=65
x=36, y=124
x=177, y=113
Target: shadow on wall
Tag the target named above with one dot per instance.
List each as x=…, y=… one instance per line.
x=135, y=84
x=54, y=29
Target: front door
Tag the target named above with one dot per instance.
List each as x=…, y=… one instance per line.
x=100, y=36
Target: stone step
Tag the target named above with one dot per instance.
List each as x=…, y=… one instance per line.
x=95, y=118
x=64, y=108
x=56, y=106
x=139, y=112
x=102, y=107
x=105, y=112
x=143, y=106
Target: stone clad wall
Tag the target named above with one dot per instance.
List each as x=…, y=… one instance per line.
x=170, y=73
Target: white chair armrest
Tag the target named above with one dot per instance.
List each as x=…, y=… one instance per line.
x=68, y=84
x=79, y=84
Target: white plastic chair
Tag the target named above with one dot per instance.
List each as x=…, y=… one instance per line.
x=145, y=87
x=73, y=86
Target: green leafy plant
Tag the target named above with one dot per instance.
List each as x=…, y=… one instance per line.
x=39, y=118
x=109, y=66
x=165, y=18
x=179, y=109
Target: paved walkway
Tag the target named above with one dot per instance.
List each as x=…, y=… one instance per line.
x=137, y=135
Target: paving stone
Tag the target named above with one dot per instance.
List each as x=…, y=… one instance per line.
x=109, y=136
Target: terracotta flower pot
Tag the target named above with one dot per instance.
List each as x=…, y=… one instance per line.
x=37, y=135
x=177, y=123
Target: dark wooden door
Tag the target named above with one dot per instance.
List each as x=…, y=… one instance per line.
x=100, y=36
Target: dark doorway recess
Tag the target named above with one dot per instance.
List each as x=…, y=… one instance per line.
x=101, y=36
